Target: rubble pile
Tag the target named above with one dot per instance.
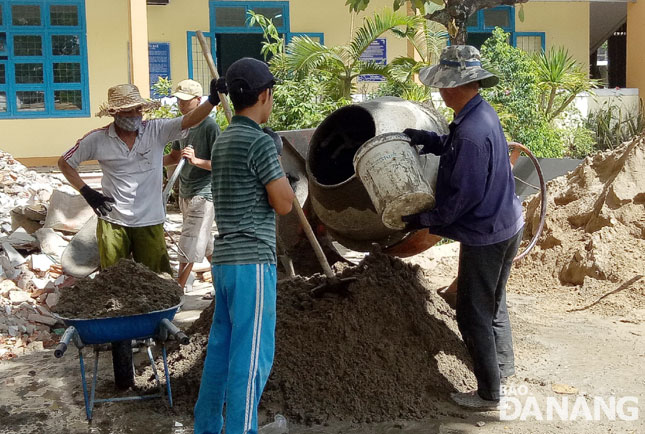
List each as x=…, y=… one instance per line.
x=591, y=254
x=30, y=274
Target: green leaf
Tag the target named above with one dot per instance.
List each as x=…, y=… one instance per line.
x=397, y=4
x=357, y=5
x=520, y=14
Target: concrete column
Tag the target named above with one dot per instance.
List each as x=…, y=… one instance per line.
x=635, y=38
x=139, y=66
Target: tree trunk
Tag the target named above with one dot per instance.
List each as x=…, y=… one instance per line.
x=461, y=37
x=454, y=16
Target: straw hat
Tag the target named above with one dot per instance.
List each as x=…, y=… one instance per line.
x=124, y=97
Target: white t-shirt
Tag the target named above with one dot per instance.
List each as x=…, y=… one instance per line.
x=133, y=178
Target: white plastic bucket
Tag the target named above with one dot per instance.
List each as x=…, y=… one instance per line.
x=391, y=172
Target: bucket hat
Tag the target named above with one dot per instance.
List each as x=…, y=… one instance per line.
x=124, y=97
x=188, y=89
x=458, y=65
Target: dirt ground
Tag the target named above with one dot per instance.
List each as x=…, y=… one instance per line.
x=383, y=356
x=599, y=355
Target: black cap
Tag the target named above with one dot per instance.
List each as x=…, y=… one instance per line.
x=249, y=74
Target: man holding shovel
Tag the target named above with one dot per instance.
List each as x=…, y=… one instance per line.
x=195, y=198
x=476, y=205
x=249, y=187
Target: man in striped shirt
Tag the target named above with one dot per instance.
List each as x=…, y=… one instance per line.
x=248, y=187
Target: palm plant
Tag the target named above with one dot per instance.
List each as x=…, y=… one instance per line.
x=341, y=65
x=560, y=78
x=427, y=40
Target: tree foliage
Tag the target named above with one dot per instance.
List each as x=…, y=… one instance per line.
x=560, y=78
x=343, y=63
x=300, y=101
x=534, y=97
x=452, y=14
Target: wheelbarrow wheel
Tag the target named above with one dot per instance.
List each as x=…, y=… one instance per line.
x=122, y=363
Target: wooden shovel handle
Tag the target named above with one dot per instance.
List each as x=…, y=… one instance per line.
x=211, y=65
x=312, y=239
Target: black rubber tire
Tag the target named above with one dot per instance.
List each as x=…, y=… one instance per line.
x=122, y=363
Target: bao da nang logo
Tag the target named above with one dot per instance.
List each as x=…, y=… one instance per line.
x=517, y=404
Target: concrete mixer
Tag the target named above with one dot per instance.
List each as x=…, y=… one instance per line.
x=336, y=200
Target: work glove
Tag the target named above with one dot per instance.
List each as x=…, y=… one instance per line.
x=217, y=86
x=97, y=201
x=430, y=140
x=417, y=137
x=413, y=222
x=277, y=140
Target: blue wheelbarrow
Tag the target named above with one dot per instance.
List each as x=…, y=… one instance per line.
x=100, y=332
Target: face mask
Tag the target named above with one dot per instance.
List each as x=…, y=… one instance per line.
x=128, y=124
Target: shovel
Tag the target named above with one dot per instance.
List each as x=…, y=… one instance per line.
x=333, y=283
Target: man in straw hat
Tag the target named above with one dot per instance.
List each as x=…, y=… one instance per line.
x=195, y=197
x=476, y=205
x=130, y=153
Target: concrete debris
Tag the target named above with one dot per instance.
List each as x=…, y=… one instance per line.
x=15, y=258
x=21, y=239
x=39, y=213
x=18, y=296
x=40, y=263
x=29, y=257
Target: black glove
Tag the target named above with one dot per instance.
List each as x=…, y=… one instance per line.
x=292, y=180
x=417, y=137
x=217, y=86
x=99, y=203
x=276, y=139
x=413, y=222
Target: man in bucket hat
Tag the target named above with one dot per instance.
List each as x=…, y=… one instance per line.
x=130, y=209
x=476, y=205
x=195, y=198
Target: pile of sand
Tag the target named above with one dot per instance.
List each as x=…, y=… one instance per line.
x=592, y=252
x=126, y=288
x=386, y=349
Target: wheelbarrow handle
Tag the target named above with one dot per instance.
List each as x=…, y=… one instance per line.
x=174, y=330
x=64, y=342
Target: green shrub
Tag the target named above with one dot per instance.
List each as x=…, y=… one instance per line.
x=611, y=126
x=301, y=103
x=517, y=97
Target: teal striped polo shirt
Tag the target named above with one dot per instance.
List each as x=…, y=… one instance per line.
x=244, y=160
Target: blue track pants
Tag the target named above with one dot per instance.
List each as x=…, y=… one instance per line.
x=240, y=349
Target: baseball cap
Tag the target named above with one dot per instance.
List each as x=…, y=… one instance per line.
x=248, y=74
x=188, y=89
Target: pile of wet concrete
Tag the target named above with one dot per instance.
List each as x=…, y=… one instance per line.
x=126, y=288
x=387, y=348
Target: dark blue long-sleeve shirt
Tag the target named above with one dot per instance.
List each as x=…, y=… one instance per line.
x=475, y=193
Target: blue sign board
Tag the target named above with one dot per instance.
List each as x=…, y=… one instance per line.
x=159, y=63
x=377, y=53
